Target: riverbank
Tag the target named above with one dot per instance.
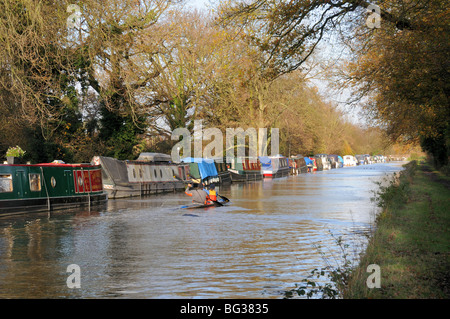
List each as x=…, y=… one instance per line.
x=411, y=240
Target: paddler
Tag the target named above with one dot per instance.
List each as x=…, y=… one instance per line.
x=212, y=193
x=198, y=195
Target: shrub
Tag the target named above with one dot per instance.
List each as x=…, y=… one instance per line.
x=15, y=151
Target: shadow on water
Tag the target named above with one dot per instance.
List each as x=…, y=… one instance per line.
x=261, y=244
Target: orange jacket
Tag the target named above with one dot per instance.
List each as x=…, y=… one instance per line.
x=212, y=195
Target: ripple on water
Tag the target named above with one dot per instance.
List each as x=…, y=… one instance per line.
x=270, y=237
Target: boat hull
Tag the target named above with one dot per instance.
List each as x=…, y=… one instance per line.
x=142, y=189
x=197, y=206
x=282, y=172
x=36, y=205
x=245, y=169
x=222, y=172
x=242, y=177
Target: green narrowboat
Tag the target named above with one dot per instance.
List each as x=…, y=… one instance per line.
x=245, y=169
x=49, y=186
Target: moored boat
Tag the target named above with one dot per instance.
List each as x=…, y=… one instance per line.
x=318, y=163
x=222, y=172
x=359, y=159
x=202, y=170
x=274, y=166
x=336, y=161
x=293, y=170
x=297, y=165
x=245, y=169
x=151, y=173
x=349, y=160
x=323, y=162
x=49, y=187
x=312, y=164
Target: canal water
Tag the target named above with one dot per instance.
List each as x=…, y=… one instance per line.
x=271, y=236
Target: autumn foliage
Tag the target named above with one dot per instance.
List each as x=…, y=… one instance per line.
x=117, y=77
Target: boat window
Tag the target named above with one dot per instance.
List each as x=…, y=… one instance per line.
x=6, y=183
x=53, y=182
x=160, y=172
x=35, y=182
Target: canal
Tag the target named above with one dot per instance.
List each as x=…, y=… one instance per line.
x=270, y=238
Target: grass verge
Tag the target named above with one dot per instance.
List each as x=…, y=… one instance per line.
x=411, y=240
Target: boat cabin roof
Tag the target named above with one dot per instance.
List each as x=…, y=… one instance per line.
x=154, y=157
x=52, y=165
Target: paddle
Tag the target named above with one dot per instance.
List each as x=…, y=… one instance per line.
x=218, y=204
x=223, y=197
x=185, y=182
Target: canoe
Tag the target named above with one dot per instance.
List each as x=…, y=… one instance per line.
x=195, y=206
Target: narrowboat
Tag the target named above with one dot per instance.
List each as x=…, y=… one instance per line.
x=336, y=161
x=367, y=159
x=151, y=173
x=309, y=164
x=49, y=187
x=359, y=159
x=297, y=165
x=292, y=167
x=312, y=164
x=349, y=160
x=319, y=163
x=274, y=166
x=245, y=169
x=202, y=170
x=222, y=172
x=324, y=162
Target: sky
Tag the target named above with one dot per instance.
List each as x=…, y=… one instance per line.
x=199, y=4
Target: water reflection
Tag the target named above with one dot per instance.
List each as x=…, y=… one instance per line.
x=263, y=243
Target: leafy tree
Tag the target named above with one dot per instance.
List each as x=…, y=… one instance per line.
x=401, y=68
x=404, y=74
x=119, y=133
